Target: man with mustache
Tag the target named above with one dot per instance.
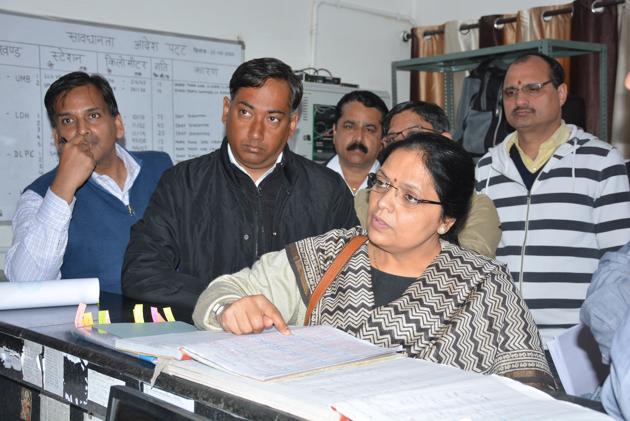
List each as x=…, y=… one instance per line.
x=74, y=221
x=561, y=193
x=357, y=137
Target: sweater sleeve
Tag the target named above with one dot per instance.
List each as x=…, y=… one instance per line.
x=612, y=204
x=270, y=276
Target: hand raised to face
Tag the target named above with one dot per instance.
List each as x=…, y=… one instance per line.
x=76, y=164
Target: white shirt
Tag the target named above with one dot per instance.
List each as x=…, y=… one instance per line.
x=334, y=165
x=40, y=226
x=240, y=167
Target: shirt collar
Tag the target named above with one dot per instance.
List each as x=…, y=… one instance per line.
x=131, y=165
x=334, y=165
x=546, y=150
x=240, y=167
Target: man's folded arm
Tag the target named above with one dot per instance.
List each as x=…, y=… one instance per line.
x=150, y=267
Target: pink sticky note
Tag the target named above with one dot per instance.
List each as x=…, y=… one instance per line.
x=78, y=318
x=155, y=315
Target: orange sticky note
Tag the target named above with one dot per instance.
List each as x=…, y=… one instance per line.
x=78, y=318
x=138, y=313
x=155, y=315
x=169, y=314
x=87, y=319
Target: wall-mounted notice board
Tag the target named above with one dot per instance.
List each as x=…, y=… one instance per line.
x=169, y=89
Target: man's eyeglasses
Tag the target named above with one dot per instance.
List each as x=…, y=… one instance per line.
x=530, y=89
x=377, y=184
x=393, y=136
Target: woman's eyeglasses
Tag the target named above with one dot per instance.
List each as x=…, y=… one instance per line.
x=379, y=185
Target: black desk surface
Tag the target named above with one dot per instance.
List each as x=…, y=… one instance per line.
x=51, y=327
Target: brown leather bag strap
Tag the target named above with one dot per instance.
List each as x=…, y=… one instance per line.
x=333, y=270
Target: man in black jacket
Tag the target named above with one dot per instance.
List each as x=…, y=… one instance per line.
x=219, y=213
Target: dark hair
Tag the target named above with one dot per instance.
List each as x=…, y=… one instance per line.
x=60, y=88
x=367, y=98
x=254, y=73
x=452, y=170
x=556, y=72
x=429, y=111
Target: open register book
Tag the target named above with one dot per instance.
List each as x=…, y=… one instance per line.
x=265, y=356
x=271, y=355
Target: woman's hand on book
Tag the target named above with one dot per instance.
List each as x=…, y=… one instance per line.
x=252, y=314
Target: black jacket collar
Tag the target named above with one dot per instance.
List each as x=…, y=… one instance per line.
x=287, y=163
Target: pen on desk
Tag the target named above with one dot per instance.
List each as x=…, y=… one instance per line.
x=148, y=358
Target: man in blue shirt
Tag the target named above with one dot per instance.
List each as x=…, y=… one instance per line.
x=606, y=311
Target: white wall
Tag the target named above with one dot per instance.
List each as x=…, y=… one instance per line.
x=357, y=46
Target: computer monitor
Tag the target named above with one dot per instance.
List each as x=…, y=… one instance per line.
x=127, y=404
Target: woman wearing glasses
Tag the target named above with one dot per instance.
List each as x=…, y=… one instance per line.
x=405, y=284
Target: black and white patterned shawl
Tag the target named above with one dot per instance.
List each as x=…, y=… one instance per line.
x=464, y=310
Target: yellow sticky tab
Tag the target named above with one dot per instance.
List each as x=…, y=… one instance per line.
x=103, y=317
x=169, y=314
x=87, y=319
x=138, y=313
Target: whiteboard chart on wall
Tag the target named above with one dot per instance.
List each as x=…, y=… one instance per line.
x=169, y=89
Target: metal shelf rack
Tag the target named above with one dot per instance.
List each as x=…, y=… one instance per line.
x=468, y=60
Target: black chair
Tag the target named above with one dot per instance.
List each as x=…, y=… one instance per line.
x=127, y=404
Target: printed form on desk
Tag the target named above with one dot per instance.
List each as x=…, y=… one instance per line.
x=401, y=388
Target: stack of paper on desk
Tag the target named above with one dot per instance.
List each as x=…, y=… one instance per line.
x=401, y=388
x=111, y=335
x=271, y=355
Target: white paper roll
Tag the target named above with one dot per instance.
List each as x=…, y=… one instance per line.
x=61, y=292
